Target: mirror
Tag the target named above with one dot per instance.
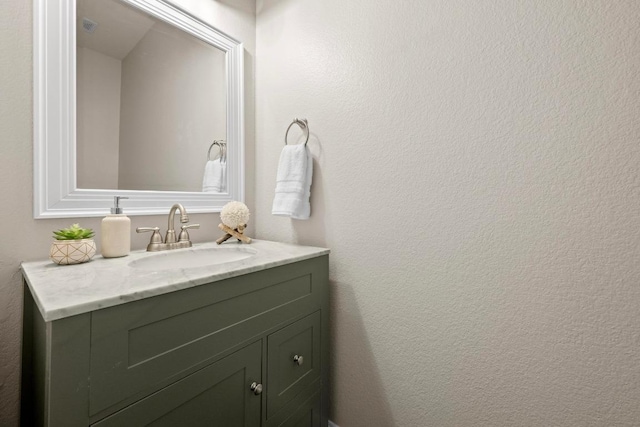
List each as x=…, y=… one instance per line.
x=130, y=103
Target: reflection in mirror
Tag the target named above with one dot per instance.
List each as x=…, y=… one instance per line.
x=151, y=99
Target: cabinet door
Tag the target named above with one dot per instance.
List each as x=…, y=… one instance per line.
x=217, y=395
x=306, y=416
x=293, y=361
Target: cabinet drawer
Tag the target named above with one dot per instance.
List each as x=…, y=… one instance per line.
x=218, y=394
x=139, y=347
x=293, y=361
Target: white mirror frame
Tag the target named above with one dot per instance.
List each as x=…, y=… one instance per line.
x=54, y=168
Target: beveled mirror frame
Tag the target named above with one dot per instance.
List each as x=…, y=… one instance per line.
x=54, y=168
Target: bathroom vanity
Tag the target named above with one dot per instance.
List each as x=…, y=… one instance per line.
x=236, y=337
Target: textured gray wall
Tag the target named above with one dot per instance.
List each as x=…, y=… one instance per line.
x=477, y=181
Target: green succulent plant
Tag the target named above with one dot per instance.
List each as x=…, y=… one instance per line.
x=75, y=232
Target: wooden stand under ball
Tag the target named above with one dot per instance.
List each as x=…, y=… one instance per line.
x=238, y=233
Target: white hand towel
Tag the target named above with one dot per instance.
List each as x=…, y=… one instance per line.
x=293, y=183
x=214, y=177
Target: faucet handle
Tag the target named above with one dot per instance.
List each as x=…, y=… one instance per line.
x=184, y=227
x=156, y=238
x=184, y=234
x=145, y=229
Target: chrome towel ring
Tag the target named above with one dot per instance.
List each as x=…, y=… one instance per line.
x=304, y=125
x=221, y=146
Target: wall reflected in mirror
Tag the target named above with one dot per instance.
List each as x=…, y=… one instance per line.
x=151, y=99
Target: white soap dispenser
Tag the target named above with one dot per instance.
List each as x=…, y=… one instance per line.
x=116, y=232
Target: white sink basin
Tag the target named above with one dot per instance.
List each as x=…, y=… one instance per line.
x=192, y=258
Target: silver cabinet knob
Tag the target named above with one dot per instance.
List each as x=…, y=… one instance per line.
x=256, y=388
x=298, y=360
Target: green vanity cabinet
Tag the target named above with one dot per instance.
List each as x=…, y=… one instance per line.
x=250, y=350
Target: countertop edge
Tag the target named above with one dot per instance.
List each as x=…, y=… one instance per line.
x=57, y=313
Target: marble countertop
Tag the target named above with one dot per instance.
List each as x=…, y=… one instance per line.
x=66, y=290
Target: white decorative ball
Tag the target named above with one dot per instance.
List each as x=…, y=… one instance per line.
x=234, y=214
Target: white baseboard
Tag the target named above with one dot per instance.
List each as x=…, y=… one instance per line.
x=332, y=424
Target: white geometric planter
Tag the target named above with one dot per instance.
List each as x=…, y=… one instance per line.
x=65, y=252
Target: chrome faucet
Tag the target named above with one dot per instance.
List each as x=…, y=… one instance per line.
x=156, y=243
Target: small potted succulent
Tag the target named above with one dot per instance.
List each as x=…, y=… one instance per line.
x=73, y=245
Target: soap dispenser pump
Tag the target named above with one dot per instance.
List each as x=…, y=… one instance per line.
x=116, y=232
